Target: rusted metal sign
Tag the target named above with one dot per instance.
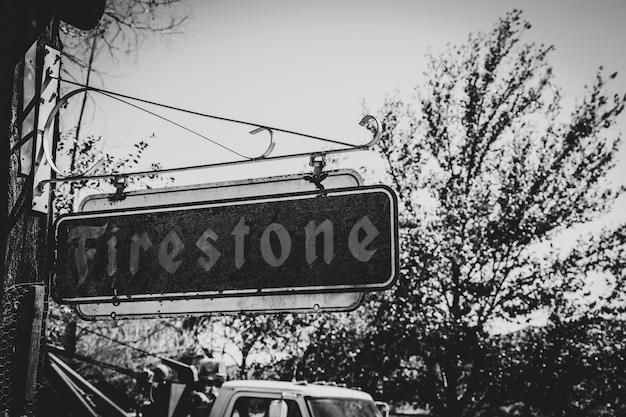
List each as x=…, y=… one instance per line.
x=293, y=243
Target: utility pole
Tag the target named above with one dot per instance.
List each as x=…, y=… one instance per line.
x=23, y=271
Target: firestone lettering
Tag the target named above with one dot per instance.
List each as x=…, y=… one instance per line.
x=285, y=245
x=138, y=242
x=311, y=230
x=81, y=253
x=212, y=254
x=240, y=231
x=171, y=247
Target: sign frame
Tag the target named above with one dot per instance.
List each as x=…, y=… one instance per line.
x=290, y=303
x=288, y=197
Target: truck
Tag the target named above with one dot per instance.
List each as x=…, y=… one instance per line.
x=176, y=389
x=249, y=398
x=263, y=398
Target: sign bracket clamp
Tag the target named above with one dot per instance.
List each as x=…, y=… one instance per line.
x=119, y=182
x=318, y=162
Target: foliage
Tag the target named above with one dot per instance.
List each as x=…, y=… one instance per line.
x=120, y=348
x=121, y=32
x=490, y=172
x=262, y=342
x=562, y=369
x=87, y=153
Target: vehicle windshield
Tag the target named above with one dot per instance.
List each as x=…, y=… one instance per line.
x=342, y=407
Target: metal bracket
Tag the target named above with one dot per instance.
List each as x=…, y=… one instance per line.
x=119, y=183
x=271, y=145
x=369, y=122
x=39, y=101
x=318, y=162
x=49, y=97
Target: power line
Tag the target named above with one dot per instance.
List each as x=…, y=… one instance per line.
x=142, y=351
x=211, y=116
x=176, y=124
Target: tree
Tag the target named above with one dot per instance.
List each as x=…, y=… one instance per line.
x=489, y=172
x=123, y=28
x=270, y=344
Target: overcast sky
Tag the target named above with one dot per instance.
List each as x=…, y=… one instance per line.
x=309, y=66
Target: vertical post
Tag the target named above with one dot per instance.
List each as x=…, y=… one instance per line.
x=23, y=272
x=23, y=296
x=21, y=332
x=36, y=336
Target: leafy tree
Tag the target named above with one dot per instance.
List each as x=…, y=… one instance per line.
x=265, y=342
x=564, y=368
x=357, y=349
x=335, y=344
x=118, y=351
x=489, y=171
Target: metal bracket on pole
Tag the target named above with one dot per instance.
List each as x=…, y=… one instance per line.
x=369, y=122
x=41, y=101
x=318, y=162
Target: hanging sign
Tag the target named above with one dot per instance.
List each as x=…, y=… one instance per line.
x=285, y=244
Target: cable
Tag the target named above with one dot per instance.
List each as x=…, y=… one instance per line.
x=258, y=127
x=176, y=124
x=73, y=355
x=144, y=352
x=225, y=119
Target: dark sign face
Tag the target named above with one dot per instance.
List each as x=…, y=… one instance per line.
x=345, y=241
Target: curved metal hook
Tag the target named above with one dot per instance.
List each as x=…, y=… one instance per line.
x=371, y=124
x=271, y=145
x=46, y=139
x=62, y=101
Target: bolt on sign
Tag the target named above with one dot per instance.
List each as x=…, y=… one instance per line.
x=285, y=244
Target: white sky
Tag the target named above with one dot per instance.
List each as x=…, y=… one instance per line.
x=308, y=66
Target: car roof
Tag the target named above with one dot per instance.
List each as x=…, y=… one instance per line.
x=302, y=388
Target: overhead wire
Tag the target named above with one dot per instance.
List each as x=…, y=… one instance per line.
x=111, y=339
x=211, y=116
x=175, y=124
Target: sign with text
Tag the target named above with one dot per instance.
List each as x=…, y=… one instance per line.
x=286, y=244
